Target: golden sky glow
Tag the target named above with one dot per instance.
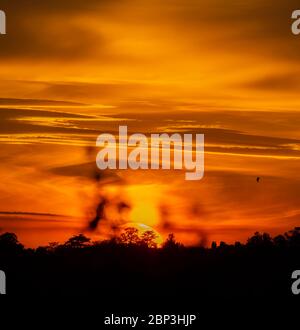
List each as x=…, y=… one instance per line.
x=70, y=71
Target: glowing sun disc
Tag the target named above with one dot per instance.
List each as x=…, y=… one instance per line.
x=143, y=228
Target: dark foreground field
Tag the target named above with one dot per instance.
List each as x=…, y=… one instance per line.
x=132, y=267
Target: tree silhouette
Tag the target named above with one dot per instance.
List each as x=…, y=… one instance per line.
x=223, y=245
x=130, y=236
x=213, y=245
x=260, y=240
x=77, y=241
x=171, y=243
x=148, y=238
x=264, y=262
x=293, y=237
x=280, y=241
x=9, y=242
x=52, y=246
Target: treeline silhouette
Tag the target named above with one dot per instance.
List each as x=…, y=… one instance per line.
x=132, y=265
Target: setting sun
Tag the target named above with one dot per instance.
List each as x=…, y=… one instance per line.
x=142, y=228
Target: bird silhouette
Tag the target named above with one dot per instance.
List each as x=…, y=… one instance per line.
x=258, y=179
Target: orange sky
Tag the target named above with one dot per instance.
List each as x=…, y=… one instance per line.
x=71, y=71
